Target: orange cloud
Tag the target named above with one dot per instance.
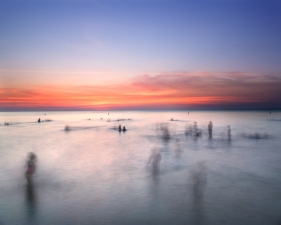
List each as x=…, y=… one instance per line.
x=164, y=91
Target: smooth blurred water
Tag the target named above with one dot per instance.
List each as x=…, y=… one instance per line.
x=94, y=174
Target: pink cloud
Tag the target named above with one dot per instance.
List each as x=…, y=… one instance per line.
x=182, y=90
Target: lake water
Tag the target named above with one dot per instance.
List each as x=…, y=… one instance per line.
x=94, y=174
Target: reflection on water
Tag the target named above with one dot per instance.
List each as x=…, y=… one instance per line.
x=30, y=203
x=95, y=175
x=199, y=182
x=199, y=179
x=154, y=160
x=178, y=149
x=154, y=164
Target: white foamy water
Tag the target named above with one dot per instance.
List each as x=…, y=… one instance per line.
x=94, y=174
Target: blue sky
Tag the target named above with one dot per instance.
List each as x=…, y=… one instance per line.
x=140, y=36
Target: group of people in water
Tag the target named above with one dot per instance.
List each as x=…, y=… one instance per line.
x=195, y=132
x=210, y=131
x=120, y=128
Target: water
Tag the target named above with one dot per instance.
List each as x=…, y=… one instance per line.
x=94, y=174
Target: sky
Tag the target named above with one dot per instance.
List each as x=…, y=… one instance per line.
x=140, y=54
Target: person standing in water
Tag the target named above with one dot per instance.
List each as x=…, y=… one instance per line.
x=210, y=129
x=229, y=132
x=30, y=170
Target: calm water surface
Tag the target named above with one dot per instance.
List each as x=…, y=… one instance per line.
x=94, y=174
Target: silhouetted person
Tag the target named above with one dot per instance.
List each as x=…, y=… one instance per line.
x=210, y=129
x=120, y=128
x=228, y=132
x=30, y=170
x=39, y=120
x=124, y=128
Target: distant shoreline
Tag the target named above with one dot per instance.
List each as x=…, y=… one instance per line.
x=150, y=110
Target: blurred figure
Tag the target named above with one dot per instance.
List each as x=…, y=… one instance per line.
x=196, y=131
x=188, y=130
x=228, y=132
x=154, y=161
x=199, y=181
x=124, y=128
x=119, y=128
x=198, y=134
x=195, y=127
x=30, y=170
x=67, y=128
x=39, y=120
x=178, y=150
x=165, y=132
x=255, y=136
x=210, y=129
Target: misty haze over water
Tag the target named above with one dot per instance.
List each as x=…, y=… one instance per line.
x=156, y=172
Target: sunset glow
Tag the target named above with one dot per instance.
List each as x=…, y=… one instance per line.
x=182, y=91
x=95, y=55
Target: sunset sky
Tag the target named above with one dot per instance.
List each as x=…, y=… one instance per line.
x=140, y=54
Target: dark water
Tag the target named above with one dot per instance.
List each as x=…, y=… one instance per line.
x=151, y=174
